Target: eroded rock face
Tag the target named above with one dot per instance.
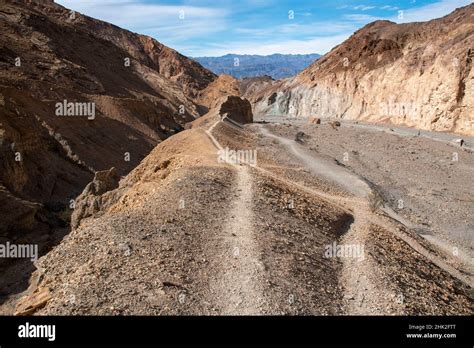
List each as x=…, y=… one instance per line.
x=251, y=85
x=16, y=214
x=417, y=74
x=217, y=91
x=237, y=109
x=142, y=92
x=92, y=200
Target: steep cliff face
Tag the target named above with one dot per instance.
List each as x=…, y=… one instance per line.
x=417, y=74
x=127, y=93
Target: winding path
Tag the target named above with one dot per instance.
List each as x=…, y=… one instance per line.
x=242, y=276
x=239, y=284
x=359, y=205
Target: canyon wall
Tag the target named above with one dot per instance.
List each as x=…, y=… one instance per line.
x=141, y=92
x=416, y=74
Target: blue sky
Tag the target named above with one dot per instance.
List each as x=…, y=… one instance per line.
x=214, y=28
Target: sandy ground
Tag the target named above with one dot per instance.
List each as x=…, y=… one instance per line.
x=423, y=182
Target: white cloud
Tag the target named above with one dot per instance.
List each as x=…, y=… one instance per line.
x=164, y=20
x=389, y=8
x=431, y=11
x=200, y=32
x=363, y=7
x=298, y=29
x=361, y=18
x=319, y=28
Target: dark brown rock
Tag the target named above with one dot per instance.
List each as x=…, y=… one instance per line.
x=237, y=109
x=16, y=213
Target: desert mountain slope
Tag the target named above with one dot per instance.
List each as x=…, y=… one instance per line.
x=226, y=216
x=190, y=75
x=189, y=233
x=417, y=74
x=128, y=93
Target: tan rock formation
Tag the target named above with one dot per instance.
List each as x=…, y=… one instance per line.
x=416, y=74
x=91, y=200
x=218, y=90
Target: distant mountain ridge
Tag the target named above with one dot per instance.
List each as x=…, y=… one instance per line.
x=278, y=66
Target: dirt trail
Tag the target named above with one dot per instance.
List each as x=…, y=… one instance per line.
x=364, y=292
x=238, y=287
x=401, y=130
x=322, y=167
x=240, y=280
x=360, y=277
x=239, y=284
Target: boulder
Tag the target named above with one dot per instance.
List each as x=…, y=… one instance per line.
x=237, y=109
x=300, y=137
x=90, y=200
x=29, y=304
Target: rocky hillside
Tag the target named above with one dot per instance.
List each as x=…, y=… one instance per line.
x=252, y=85
x=187, y=233
x=167, y=220
x=77, y=96
x=416, y=74
x=215, y=92
x=278, y=66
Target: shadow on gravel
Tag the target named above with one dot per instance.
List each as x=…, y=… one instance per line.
x=344, y=225
x=16, y=272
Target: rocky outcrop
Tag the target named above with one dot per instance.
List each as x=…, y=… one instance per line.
x=141, y=92
x=29, y=304
x=91, y=200
x=237, y=109
x=252, y=85
x=217, y=91
x=417, y=74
